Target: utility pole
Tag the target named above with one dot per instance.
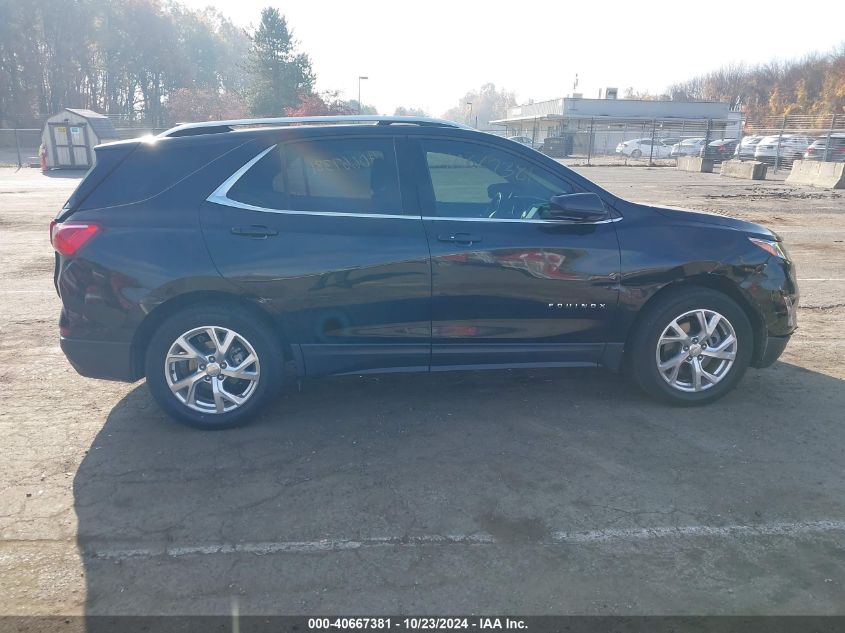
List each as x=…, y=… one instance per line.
x=469, y=118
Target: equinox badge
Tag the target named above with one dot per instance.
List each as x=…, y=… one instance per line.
x=579, y=306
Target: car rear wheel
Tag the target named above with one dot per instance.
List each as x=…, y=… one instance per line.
x=691, y=347
x=213, y=367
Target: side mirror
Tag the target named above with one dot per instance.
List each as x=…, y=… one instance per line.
x=577, y=207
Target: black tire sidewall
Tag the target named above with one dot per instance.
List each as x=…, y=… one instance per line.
x=266, y=345
x=657, y=317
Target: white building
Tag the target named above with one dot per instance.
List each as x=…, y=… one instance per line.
x=614, y=120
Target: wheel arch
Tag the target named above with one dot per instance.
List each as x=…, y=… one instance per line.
x=164, y=310
x=719, y=283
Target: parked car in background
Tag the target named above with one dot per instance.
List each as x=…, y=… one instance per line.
x=788, y=147
x=836, y=153
x=745, y=149
x=719, y=150
x=557, y=146
x=522, y=140
x=642, y=147
x=206, y=258
x=687, y=147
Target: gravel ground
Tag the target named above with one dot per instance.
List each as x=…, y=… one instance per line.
x=530, y=492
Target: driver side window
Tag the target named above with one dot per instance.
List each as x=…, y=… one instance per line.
x=471, y=180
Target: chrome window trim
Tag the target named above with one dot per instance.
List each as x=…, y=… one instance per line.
x=220, y=196
x=333, y=214
x=436, y=218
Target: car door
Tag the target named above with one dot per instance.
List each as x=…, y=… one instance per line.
x=316, y=231
x=508, y=286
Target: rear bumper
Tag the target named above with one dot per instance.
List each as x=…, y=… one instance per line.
x=771, y=351
x=105, y=360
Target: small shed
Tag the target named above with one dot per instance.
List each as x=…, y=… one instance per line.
x=70, y=137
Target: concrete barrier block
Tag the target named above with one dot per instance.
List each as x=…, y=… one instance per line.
x=816, y=173
x=750, y=169
x=694, y=163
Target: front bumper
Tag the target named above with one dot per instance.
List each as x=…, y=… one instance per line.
x=105, y=360
x=772, y=350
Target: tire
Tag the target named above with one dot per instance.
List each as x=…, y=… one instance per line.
x=656, y=339
x=636, y=153
x=220, y=399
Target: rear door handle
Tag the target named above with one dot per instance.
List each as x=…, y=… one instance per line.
x=255, y=231
x=459, y=238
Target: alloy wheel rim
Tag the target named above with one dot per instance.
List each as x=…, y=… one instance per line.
x=212, y=369
x=696, y=351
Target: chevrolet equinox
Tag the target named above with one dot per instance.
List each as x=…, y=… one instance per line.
x=207, y=257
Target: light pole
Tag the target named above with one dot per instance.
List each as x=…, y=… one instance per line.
x=359, y=92
x=469, y=118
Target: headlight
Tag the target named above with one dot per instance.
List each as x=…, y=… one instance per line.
x=772, y=247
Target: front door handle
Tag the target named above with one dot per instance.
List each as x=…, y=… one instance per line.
x=459, y=238
x=256, y=231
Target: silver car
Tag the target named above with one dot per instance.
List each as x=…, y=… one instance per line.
x=788, y=147
x=688, y=147
x=745, y=150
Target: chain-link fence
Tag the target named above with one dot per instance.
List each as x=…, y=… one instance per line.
x=780, y=140
x=19, y=146
x=603, y=141
x=777, y=141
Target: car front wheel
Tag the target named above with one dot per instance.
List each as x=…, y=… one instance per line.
x=213, y=367
x=691, y=346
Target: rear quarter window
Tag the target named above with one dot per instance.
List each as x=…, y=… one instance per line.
x=156, y=166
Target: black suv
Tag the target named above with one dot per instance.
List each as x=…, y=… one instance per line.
x=208, y=256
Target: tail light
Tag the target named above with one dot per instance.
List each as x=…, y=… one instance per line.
x=68, y=237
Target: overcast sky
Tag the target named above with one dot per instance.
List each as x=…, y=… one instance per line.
x=428, y=54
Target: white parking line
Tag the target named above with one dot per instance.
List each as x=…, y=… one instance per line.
x=560, y=537
x=26, y=292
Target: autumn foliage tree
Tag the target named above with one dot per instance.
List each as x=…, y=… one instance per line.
x=813, y=85
x=326, y=104
x=191, y=104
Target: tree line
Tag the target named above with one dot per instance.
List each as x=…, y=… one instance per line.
x=151, y=62
x=812, y=86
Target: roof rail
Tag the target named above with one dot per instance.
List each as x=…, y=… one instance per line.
x=215, y=127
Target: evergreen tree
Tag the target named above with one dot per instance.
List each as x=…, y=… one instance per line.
x=279, y=75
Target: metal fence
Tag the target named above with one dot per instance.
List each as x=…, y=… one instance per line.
x=777, y=141
x=19, y=146
x=780, y=140
x=658, y=141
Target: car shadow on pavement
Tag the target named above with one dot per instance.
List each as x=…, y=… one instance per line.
x=69, y=174
x=508, y=455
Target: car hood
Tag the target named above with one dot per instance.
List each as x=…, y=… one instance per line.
x=685, y=215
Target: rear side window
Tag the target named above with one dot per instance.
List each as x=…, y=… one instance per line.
x=351, y=175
